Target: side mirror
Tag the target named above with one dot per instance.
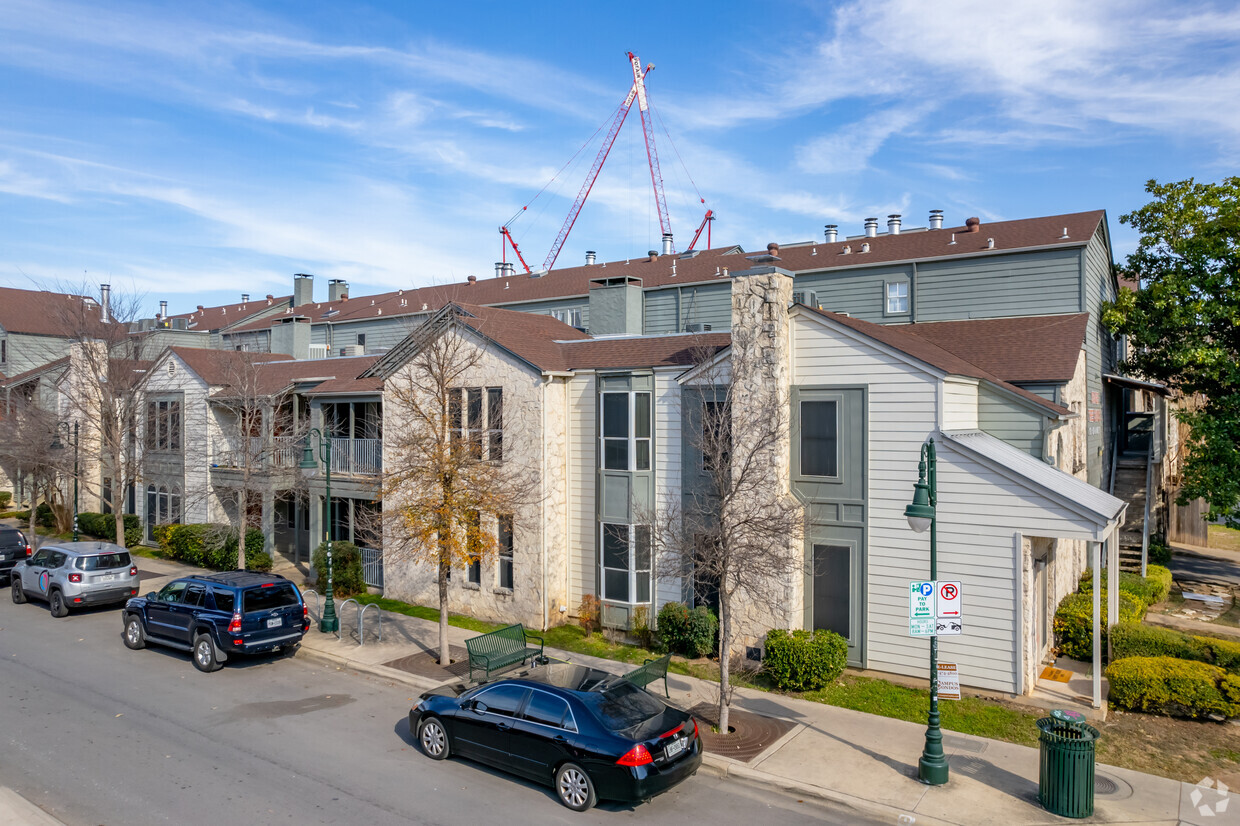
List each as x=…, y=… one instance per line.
x=152, y=596
x=478, y=706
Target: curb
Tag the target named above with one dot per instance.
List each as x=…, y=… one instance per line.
x=17, y=810
x=381, y=671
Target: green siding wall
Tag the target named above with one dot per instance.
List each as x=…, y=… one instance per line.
x=545, y=307
x=856, y=292
x=26, y=352
x=1008, y=420
x=669, y=310
x=997, y=286
x=1098, y=286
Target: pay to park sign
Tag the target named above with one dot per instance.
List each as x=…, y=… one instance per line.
x=935, y=608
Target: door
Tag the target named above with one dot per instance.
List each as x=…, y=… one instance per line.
x=540, y=739
x=483, y=728
x=160, y=619
x=184, y=614
x=34, y=575
x=1041, y=612
x=835, y=595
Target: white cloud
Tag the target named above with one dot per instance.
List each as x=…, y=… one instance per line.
x=850, y=149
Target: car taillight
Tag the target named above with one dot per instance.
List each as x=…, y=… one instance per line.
x=75, y=577
x=639, y=755
x=695, y=730
x=133, y=570
x=305, y=611
x=29, y=552
x=234, y=627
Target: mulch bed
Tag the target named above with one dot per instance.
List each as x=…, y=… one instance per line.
x=751, y=734
x=425, y=664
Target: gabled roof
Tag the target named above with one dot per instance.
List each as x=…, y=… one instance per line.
x=1031, y=349
x=38, y=312
x=708, y=266
x=215, y=367
x=899, y=338
x=215, y=318
x=51, y=366
x=311, y=374
x=1083, y=497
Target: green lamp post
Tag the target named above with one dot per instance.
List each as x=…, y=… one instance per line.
x=59, y=445
x=330, y=623
x=932, y=766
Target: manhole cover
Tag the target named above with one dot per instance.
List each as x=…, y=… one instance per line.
x=752, y=733
x=1111, y=787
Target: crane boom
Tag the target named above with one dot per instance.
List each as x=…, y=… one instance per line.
x=710, y=216
x=656, y=175
x=592, y=175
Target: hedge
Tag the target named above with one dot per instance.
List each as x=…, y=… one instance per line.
x=1074, y=622
x=347, y=576
x=1223, y=653
x=6, y=499
x=212, y=545
x=1179, y=688
x=804, y=661
x=1149, y=589
x=103, y=526
x=1158, y=552
x=1135, y=640
x=692, y=633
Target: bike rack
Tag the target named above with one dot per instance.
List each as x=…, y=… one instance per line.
x=305, y=591
x=340, y=610
x=361, y=616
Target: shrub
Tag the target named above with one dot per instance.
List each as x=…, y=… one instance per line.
x=258, y=561
x=6, y=499
x=1137, y=640
x=804, y=661
x=692, y=633
x=133, y=529
x=1158, y=552
x=639, y=625
x=1223, y=653
x=1165, y=685
x=346, y=569
x=23, y=516
x=1161, y=576
x=209, y=545
x=588, y=613
x=1074, y=622
x=1145, y=589
x=44, y=516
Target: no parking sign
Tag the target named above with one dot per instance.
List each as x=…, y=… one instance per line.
x=948, y=601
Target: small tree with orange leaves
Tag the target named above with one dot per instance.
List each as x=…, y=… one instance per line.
x=442, y=471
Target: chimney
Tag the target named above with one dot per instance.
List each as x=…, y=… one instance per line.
x=973, y=225
x=653, y=254
x=470, y=279
x=303, y=289
x=772, y=248
x=936, y=219
x=893, y=224
x=270, y=297
x=499, y=269
x=510, y=269
x=590, y=254
x=830, y=232
x=871, y=227
x=163, y=309
x=667, y=243
x=245, y=298
x=105, y=292
x=337, y=288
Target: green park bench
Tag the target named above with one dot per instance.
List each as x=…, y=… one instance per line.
x=500, y=649
x=649, y=671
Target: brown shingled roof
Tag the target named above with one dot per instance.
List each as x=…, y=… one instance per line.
x=216, y=366
x=1031, y=349
x=36, y=312
x=899, y=337
x=708, y=265
x=213, y=318
x=23, y=377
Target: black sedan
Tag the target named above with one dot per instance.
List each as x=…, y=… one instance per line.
x=587, y=733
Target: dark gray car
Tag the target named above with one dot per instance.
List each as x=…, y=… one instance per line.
x=13, y=549
x=74, y=574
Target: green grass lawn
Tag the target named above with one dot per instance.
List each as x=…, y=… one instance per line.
x=1224, y=538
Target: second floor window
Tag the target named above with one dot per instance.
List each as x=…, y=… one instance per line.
x=571, y=317
x=626, y=430
x=473, y=546
x=163, y=425
x=897, y=297
x=505, y=551
x=476, y=419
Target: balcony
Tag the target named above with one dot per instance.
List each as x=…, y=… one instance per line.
x=280, y=452
x=357, y=457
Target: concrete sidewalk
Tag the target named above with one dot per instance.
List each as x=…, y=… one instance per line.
x=859, y=761
x=16, y=810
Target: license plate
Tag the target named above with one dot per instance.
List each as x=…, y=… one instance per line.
x=674, y=748
x=275, y=622
x=105, y=578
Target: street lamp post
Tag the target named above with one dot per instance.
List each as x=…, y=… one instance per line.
x=58, y=445
x=921, y=514
x=330, y=623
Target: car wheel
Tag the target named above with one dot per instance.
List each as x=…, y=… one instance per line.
x=135, y=635
x=57, y=605
x=433, y=738
x=203, y=654
x=575, y=788
x=19, y=596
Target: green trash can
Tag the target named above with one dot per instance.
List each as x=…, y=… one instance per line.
x=1066, y=777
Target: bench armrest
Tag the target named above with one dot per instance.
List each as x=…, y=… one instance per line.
x=530, y=637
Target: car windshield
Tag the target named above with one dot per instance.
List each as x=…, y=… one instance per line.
x=103, y=562
x=620, y=705
x=267, y=597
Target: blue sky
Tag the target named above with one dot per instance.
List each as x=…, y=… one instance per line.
x=192, y=152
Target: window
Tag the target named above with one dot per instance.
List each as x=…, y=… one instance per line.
x=484, y=434
x=473, y=546
x=194, y=595
x=547, y=710
x=626, y=430
x=503, y=700
x=361, y=340
x=505, y=542
x=897, y=297
x=4, y=349
x=626, y=559
x=163, y=506
x=224, y=600
x=103, y=562
x=163, y=425
x=716, y=434
x=818, y=439
x=571, y=317
x=269, y=597
x=171, y=592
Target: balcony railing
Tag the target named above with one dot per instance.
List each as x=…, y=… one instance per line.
x=282, y=452
x=357, y=457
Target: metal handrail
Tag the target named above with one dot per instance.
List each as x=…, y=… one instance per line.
x=340, y=610
x=361, y=629
x=1145, y=527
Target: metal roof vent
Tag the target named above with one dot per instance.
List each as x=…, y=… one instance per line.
x=893, y=224
x=830, y=232
x=1064, y=237
x=865, y=247
x=871, y=227
x=590, y=254
x=936, y=219
x=990, y=243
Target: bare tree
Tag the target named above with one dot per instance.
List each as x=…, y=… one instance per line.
x=442, y=474
x=26, y=434
x=738, y=536
x=105, y=388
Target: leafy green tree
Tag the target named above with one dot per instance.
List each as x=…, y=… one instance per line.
x=1184, y=323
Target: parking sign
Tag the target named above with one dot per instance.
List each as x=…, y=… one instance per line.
x=948, y=600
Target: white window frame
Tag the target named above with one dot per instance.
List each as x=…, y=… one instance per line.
x=634, y=573
x=901, y=295
x=632, y=439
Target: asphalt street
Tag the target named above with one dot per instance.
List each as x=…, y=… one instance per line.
x=1219, y=566
x=97, y=734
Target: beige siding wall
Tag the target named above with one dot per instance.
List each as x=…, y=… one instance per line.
x=582, y=456
x=668, y=438
x=959, y=404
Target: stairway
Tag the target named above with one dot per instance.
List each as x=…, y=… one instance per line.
x=1130, y=486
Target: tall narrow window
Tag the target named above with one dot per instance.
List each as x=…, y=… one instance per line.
x=616, y=562
x=641, y=562
x=897, y=297
x=716, y=434
x=174, y=425
x=495, y=424
x=473, y=400
x=616, y=431
x=473, y=547
x=819, y=445
x=505, y=541
x=641, y=430
x=454, y=416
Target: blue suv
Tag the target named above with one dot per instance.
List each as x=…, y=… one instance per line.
x=219, y=615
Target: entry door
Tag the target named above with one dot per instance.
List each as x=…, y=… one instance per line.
x=1041, y=613
x=836, y=596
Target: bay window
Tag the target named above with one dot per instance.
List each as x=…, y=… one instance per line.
x=626, y=563
x=626, y=430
